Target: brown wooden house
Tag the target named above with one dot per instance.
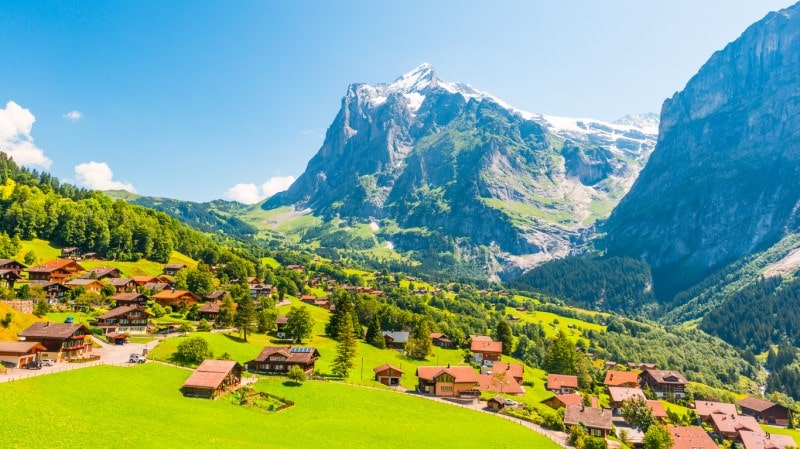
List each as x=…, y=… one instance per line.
x=130, y=299
x=729, y=426
x=279, y=360
x=441, y=340
x=764, y=411
x=486, y=351
x=388, y=374
x=10, y=272
x=453, y=381
x=172, y=269
x=124, y=319
x=705, y=409
x=216, y=296
x=395, y=339
x=212, y=379
x=597, y=421
x=122, y=285
x=209, y=311
x=62, y=340
x=90, y=285
x=54, y=291
x=101, y=273
x=55, y=271
x=562, y=400
x=174, y=298
x=20, y=353
x=618, y=396
x=665, y=382
x=280, y=325
x=259, y=290
x=627, y=379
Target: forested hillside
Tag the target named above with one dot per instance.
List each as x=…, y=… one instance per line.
x=37, y=205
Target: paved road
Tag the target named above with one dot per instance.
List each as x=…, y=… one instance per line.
x=109, y=355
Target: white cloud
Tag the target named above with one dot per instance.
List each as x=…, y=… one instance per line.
x=98, y=176
x=73, y=115
x=15, y=136
x=249, y=193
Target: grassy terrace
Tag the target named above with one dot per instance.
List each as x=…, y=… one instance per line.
x=142, y=406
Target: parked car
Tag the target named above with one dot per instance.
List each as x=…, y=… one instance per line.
x=48, y=362
x=6, y=364
x=33, y=365
x=137, y=358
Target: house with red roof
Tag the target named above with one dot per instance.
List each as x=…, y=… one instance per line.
x=765, y=440
x=562, y=383
x=690, y=437
x=485, y=350
x=627, y=379
x=388, y=374
x=212, y=379
x=55, y=271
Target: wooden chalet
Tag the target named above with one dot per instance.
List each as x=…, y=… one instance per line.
x=61, y=340
x=174, y=298
x=515, y=370
x=441, y=340
x=259, y=290
x=562, y=400
x=172, y=269
x=395, y=339
x=53, y=290
x=705, y=409
x=142, y=280
x=20, y=353
x=122, y=285
x=212, y=379
x=91, y=256
x=665, y=383
x=280, y=325
x=496, y=403
x=100, y=273
x=216, y=296
x=70, y=252
x=562, y=383
x=130, y=299
x=279, y=360
x=765, y=440
x=486, y=351
x=729, y=426
x=158, y=286
x=764, y=411
x=388, y=374
x=690, y=437
x=618, y=396
x=627, y=379
x=451, y=381
x=10, y=272
x=597, y=421
x=55, y=271
x=124, y=319
x=209, y=311
x=90, y=285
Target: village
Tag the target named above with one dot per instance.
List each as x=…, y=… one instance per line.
x=633, y=396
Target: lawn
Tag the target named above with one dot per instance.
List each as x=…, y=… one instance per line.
x=552, y=322
x=19, y=322
x=116, y=407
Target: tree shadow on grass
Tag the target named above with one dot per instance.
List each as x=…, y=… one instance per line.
x=234, y=338
x=292, y=383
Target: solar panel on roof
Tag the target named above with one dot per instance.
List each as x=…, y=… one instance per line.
x=301, y=350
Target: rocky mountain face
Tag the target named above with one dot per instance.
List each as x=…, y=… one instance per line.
x=424, y=157
x=724, y=179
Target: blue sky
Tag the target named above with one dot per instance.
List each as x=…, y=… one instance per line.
x=186, y=99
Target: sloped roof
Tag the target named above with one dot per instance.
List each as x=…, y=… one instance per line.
x=595, y=418
x=174, y=294
x=294, y=354
x=734, y=423
x=461, y=374
x=657, y=408
x=620, y=394
x=99, y=272
x=515, y=369
x=617, y=378
x=53, y=265
x=756, y=404
x=505, y=384
x=690, y=437
x=386, y=366
x=396, y=336
x=707, y=408
x=558, y=381
x=209, y=307
x=664, y=376
x=8, y=261
x=83, y=282
x=760, y=440
x=210, y=374
x=128, y=296
x=486, y=346
x=120, y=282
x=47, y=329
x=121, y=310
x=20, y=347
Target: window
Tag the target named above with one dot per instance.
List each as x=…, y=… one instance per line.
x=447, y=389
x=279, y=367
x=596, y=432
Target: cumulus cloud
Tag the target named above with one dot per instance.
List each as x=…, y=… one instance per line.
x=249, y=193
x=15, y=136
x=98, y=176
x=73, y=115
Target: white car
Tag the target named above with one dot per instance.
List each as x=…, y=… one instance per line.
x=137, y=358
x=48, y=362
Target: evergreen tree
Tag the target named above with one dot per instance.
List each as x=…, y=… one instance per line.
x=346, y=349
x=245, y=316
x=561, y=356
x=374, y=334
x=421, y=344
x=503, y=334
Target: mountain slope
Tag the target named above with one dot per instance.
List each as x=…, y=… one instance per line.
x=723, y=181
x=429, y=160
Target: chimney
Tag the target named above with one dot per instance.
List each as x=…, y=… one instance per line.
x=46, y=324
x=448, y=365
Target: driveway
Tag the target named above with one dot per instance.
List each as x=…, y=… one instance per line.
x=109, y=355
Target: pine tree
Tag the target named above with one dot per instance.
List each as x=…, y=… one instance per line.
x=561, y=356
x=346, y=349
x=503, y=334
x=245, y=317
x=374, y=335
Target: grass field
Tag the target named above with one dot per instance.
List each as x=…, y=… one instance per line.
x=115, y=407
x=19, y=322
